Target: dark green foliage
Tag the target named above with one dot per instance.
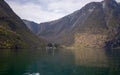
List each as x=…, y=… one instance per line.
x=56, y=45
x=50, y=45
x=10, y=39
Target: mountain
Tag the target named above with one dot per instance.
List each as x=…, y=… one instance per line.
x=13, y=31
x=34, y=27
x=94, y=25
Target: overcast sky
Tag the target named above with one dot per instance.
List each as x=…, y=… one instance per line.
x=46, y=10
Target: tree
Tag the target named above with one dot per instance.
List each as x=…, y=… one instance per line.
x=50, y=45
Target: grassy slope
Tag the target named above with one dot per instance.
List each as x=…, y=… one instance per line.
x=10, y=39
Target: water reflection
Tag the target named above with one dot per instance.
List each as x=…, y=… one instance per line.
x=54, y=63
x=60, y=62
x=32, y=74
x=114, y=61
x=91, y=57
x=14, y=62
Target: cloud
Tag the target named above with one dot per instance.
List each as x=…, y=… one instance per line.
x=33, y=12
x=46, y=10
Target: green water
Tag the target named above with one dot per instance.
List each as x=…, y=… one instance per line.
x=59, y=62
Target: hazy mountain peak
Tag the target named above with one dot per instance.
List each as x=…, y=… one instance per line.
x=108, y=0
x=110, y=3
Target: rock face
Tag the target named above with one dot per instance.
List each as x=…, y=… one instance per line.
x=92, y=26
x=13, y=31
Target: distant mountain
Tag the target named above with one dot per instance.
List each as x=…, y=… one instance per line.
x=13, y=31
x=92, y=26
x=32, y=26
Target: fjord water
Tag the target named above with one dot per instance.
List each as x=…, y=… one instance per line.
x=60, y=62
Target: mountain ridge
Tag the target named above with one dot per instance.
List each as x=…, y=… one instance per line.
x=98, y=21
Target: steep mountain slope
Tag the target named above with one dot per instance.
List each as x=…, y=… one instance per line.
x=13, y=31
x=92, y=26
x=103, y=20
x=32, y=26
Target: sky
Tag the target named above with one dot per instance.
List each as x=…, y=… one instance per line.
x=46, y=10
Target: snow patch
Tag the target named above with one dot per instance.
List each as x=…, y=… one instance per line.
x=104, y=4
x=83, y=14
x=91, y=10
